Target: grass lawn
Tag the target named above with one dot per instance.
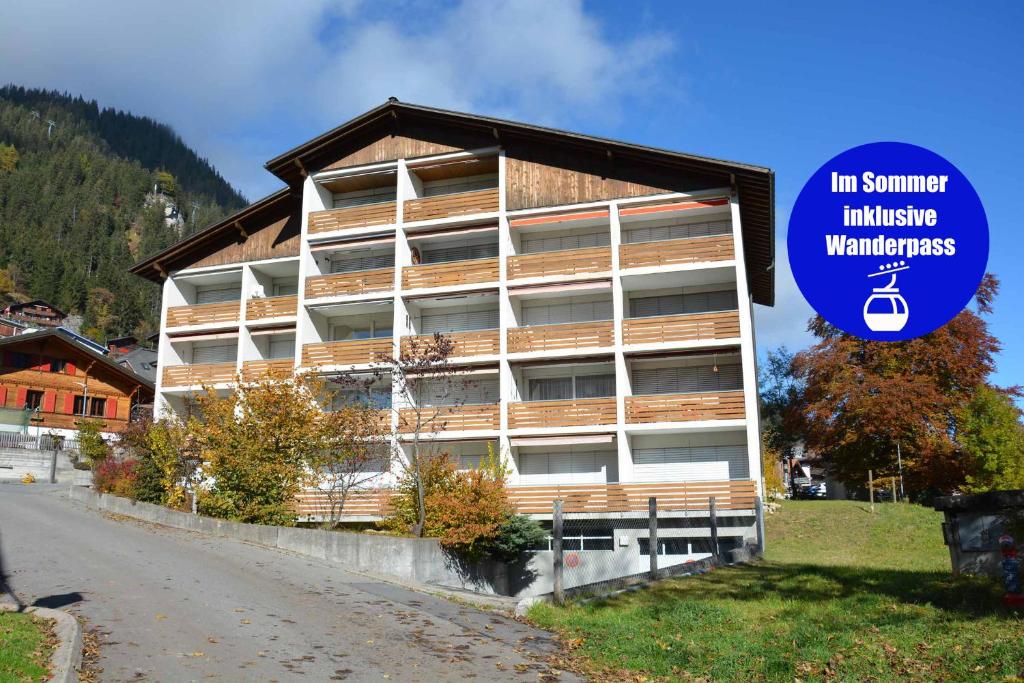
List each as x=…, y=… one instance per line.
x=26, y=643
x=842, y=595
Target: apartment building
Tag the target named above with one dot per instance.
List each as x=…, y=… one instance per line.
x=599, y=295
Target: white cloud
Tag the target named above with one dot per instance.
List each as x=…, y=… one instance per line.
x=242, y=81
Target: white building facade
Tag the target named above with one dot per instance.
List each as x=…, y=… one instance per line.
x=604, y=326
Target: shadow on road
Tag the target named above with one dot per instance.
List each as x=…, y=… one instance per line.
x=58, y=601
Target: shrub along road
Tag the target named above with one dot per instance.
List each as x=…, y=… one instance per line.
x=175, y=606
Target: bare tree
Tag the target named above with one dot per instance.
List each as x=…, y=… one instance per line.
x=356, y=452
x=430, y=390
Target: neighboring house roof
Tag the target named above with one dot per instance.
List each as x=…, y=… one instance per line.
x=74, y=340
x=755, y=184
x=141, y=361
x=35, y=302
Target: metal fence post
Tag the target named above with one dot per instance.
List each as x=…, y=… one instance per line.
x=759, y=511
x=53, y=466
x=652, y=524
x=713, y=513
x=556, y=552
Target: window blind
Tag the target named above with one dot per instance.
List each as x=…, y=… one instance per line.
x=660, y=233
x=212, y=295
x=533, y=245
x=682, y=380
x=462, y=252
x=595, y=467
x=284, y=286
x=459, y=321
x=281, y=348
x=358, y=262
x=565, y=388
x=680, y=304
x=224, y=353
x=554, y=314
x=433, y=188
x=456, y=391
x=373, y=195
x=694, y=463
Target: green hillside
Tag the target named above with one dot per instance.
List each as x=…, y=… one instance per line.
x=77, y=205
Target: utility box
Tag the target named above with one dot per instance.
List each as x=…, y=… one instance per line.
x=973, y=525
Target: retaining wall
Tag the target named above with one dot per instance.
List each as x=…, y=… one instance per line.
x=415, y=559
x=17, y=462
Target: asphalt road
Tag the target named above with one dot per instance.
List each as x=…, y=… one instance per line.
x=175, y=605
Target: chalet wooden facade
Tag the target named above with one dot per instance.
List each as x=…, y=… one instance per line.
x=60, y=382
x=599, y=293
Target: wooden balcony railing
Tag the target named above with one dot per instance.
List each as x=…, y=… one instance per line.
x=316, y=505
x=721, y=405
x=672, y=252
x=384, y=213
x=203, y=314
x=353, y=352
x=469, y=343
x=737, y=494
x=271, y=307
x=568, y=262
x=360, y=282
x=201, y=373
x=563, y=336
x=446, y=205
x=473, y=271
x=453, y=419
x=262, y=369
x=578, y=412
x=679, y=328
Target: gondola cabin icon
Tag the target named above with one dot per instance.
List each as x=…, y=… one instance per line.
x=886, y=310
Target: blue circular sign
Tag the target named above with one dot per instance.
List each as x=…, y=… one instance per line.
x=888, y=241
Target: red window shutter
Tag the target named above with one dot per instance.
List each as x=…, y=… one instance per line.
x=110, y=408
x=43, y=364
x=49, y=401
x=69, y=368
x=3, y=396
x=69, y=404
x=21, y=396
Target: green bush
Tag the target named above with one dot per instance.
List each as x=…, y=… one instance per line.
x=515, y=536
x=91, y=445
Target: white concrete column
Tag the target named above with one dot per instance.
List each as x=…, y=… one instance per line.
x=506, y=319
x=622, y=384
x=748, y=355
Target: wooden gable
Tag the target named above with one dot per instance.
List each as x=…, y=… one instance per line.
x=275, y=239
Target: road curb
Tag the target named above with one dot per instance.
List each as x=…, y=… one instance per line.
x=67, y=656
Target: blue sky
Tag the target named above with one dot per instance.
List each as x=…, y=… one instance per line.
x=785, y=85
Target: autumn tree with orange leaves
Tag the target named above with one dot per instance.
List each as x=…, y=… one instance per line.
x=859, y=399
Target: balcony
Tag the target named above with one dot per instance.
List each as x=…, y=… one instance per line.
x=566, y=262
x=720, y=405
x=352, y=352
x=561, y=336
x=675, y=252
x=358, y=282
x=452, y=418
x=363, y=216
x=738, y=494
x=261, y=369
x=202, y=373
x=450, y=205
x=451, y=273
x=579, y=412
x=271, y=307
x=203, y=314
x=681, y=328
x=469, y=343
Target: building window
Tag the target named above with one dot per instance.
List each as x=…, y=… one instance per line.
x=33, y=399
x=20, y=360
x=576, y=541
x=95, y=407
x=58, y=364
x=565, y=388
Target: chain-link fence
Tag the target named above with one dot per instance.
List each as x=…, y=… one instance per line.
x=596, y=553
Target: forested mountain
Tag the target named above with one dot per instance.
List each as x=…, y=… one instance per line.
x=85, y=193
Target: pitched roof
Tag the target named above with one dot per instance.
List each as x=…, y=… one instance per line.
x=69, y=338
x=35, y=302
x=755, y=184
